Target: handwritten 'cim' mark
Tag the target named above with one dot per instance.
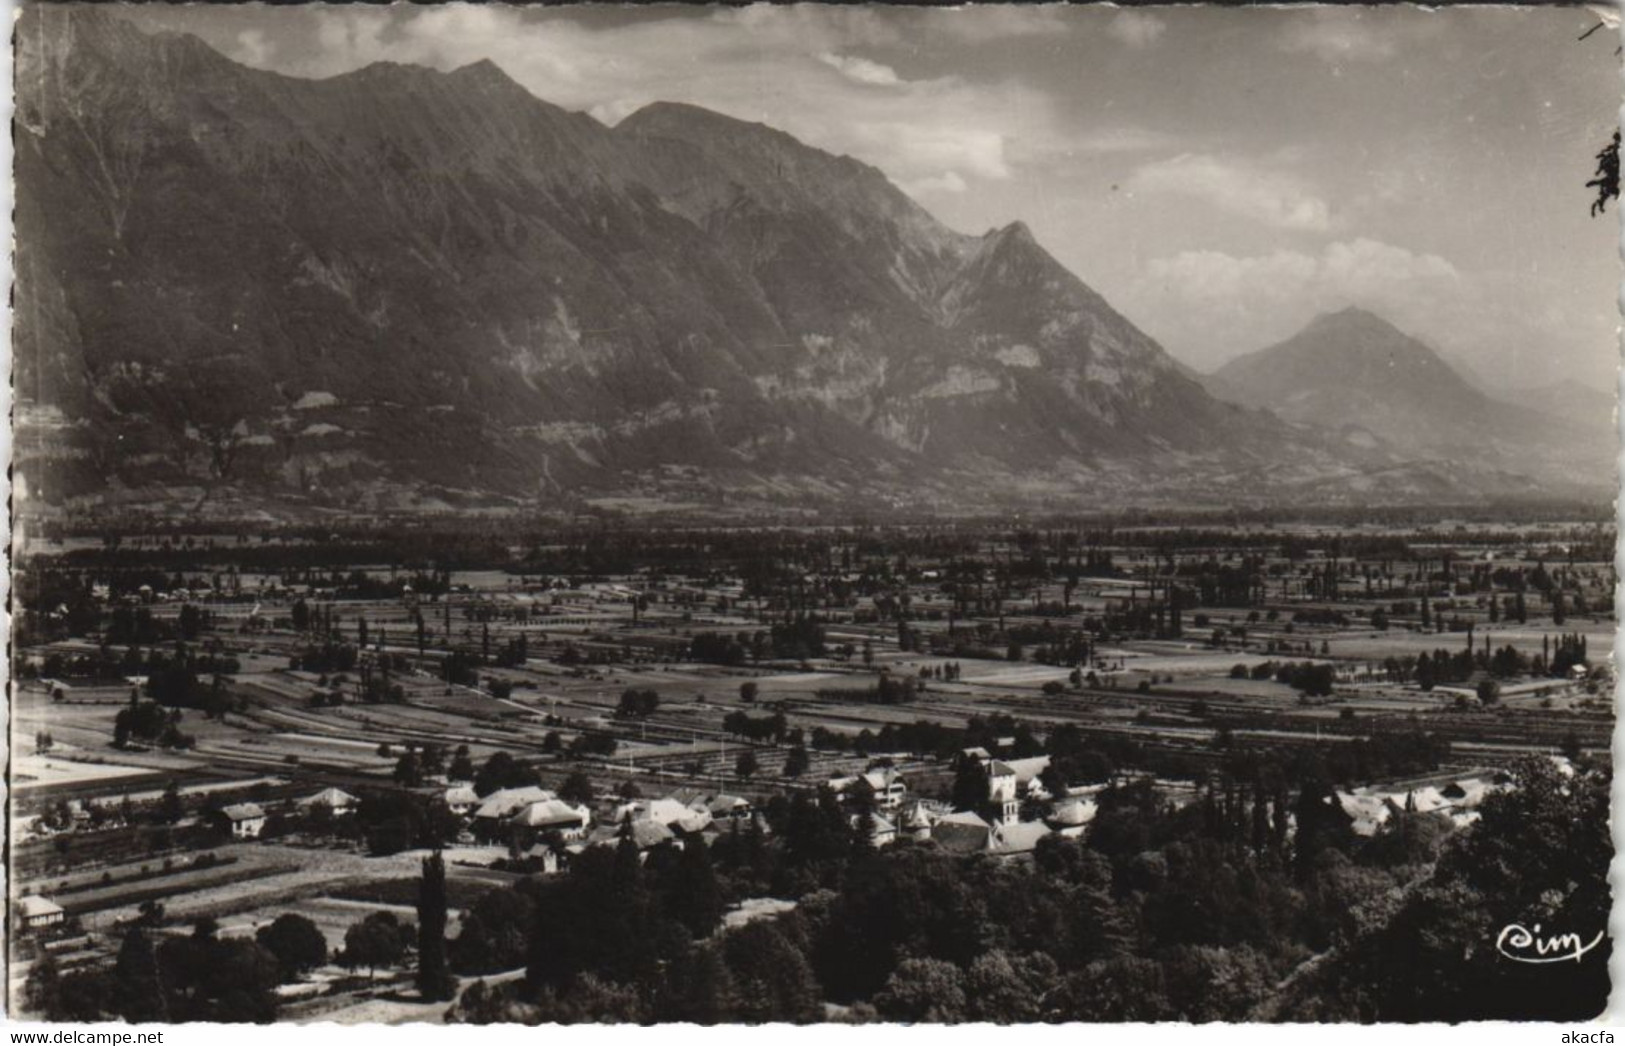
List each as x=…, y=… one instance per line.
x=1527, y=945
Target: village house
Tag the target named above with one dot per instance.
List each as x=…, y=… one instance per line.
x=962, y=832
x=1028, y=772
x=644, y=834
x=462, y=799
x=1070, y=817
x=1015, y=838
x=552, y=815
x=244, y=820
x=505, y=802
x=728, y=808
x=39, y=913
x=884, y=785
x=883, y=834
x=491, y=817
x=1003, y=790
x=915, y=820
x=667, y=811
x=335, y=801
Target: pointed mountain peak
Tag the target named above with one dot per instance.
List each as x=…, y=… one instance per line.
x=488, y=74
x=1356, y=319
x=1015, y=232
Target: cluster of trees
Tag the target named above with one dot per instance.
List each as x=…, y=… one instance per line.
x=325, y=656
x=1140, y=922
x=1314, y=680
x=172, y=679
x=718, y=648
x=151, y=722
x=888, y=690
x=797, y=639
x=766, y=728
x=197, y=977
x=500, y=770
x=1538, y=855
x=637, y=704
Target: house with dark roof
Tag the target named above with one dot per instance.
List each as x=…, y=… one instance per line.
x=963, y=832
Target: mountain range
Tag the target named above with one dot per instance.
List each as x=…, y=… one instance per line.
x=405, y=289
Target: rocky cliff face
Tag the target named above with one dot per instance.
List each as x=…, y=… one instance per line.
x=406, y=288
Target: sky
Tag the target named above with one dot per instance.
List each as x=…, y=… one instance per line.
x=1220, y=175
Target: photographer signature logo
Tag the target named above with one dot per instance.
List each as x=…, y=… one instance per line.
x=1521, y=944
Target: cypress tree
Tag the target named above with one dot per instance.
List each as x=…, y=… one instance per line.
x=434, y=980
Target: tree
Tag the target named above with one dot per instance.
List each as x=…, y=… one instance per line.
x=408, y=774
x=170, y=807
x=748, y=691
x=296, y=942
x=703, y=989
x=461, y=767
x=797, y=762
x=42, y=991
x=637, y=704
x=138, y=988
x=774, y=981
x=1008, y=991
x=377, y=940
x=578, y=788
x=435, y=982
x=693, y=896
x=494, y=932
x=502, y=770
x=923, y=990
x=747, y=765
x=972, y=788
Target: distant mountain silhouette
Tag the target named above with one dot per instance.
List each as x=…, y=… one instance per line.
x=1355, y=372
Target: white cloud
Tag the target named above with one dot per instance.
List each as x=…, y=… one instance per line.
x=759, y=63
x=1272, y=197
x=1208, y=306
x=1136, y=28
x=860, y=69
x=946, y=182
x=939, y=146
x=1344, y=273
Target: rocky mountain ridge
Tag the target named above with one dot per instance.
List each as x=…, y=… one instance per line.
x=406, y=289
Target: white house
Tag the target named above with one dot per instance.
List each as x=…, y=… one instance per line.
x=555, y=815
x=887, y=786
x=462, y=799
x=1071, y=817
x=884, y=834
x=337, y=802
x=915, y=820
x=1003, y=790
x=505, y=802
x=37, y=913
x=246, y=820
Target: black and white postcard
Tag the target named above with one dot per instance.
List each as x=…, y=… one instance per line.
x=813, y=514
